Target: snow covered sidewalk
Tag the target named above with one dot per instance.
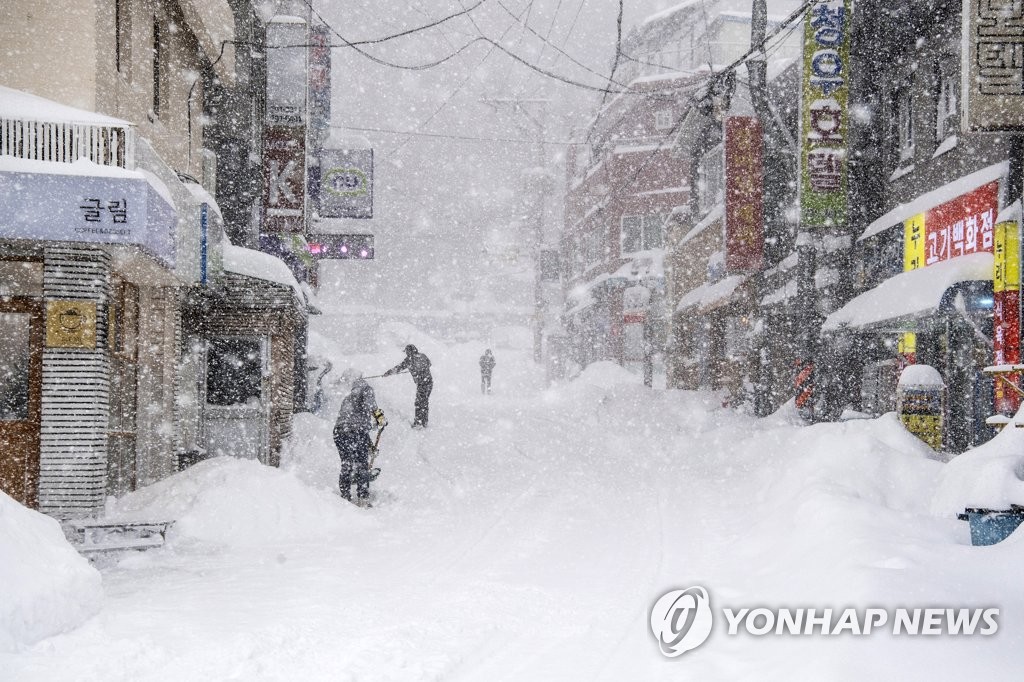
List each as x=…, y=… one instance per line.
x=525, y=536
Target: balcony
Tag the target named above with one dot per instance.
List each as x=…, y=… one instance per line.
x=39, y=129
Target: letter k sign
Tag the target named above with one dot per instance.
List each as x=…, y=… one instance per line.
x=280, y=183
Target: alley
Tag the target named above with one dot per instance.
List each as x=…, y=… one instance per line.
x=525, y=535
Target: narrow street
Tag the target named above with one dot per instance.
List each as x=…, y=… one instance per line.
x=525, y=535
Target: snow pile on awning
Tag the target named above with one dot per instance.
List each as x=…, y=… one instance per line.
x=910, y=294
x=936, y=197
x=710, y=296
x=15, y=104
x=252, y=263
x=47, y=587
x=716, y=214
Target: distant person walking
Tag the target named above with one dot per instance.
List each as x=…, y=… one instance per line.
x=418, y=366
x=487, y=364
x=356, y=416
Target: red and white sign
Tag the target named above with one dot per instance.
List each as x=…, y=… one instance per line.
x=744, y=194
x=962, y=226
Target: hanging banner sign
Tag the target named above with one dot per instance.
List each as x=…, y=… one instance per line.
x=346, y=183
x=744, y=194
x=1006, y=312
x=284, y=179
x=992, y=65
x=825, y=119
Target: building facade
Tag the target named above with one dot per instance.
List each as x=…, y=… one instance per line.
x=108, y=183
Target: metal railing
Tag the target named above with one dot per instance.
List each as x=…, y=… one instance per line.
x=67, y=142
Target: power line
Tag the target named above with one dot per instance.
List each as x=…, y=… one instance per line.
x=424, y=27
x=449, y=136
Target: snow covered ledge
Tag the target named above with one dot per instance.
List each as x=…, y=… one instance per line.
x=260, y=265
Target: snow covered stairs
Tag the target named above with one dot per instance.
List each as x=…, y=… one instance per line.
x=91, y=536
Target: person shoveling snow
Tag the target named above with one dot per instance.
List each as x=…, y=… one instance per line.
x=356, y=417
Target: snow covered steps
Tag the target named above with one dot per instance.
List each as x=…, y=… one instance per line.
x=95, y=536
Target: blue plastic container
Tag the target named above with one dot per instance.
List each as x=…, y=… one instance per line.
x=989, y=526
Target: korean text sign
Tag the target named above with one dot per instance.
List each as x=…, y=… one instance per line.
x=824, y=117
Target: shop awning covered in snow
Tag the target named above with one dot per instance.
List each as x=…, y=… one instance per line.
x=85, y=202
x=909, y=295
x=707, y=297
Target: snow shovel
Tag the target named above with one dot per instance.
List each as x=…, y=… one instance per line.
x=375, y=471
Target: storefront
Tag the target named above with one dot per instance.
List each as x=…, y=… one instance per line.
x=83, y=245
x=933, y=302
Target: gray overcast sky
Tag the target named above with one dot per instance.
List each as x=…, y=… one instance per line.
x=443, y=200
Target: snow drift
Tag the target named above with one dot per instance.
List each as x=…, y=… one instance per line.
x=46, y=587
x=235, y=502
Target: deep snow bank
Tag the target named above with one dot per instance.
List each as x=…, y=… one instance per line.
x=237, y=502
x=46, y=587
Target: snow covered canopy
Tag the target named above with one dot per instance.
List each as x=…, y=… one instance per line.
x=707, y=297
x=899, y=301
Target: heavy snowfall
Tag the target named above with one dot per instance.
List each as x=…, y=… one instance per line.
x=753, y=341
x=525, y=535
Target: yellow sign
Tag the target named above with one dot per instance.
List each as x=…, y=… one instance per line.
x=1006, y=276
x=908, y=343
x=926, y=427
x=71, y=324
x=913, y=243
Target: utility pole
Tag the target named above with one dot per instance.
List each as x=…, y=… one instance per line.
x=538, y=213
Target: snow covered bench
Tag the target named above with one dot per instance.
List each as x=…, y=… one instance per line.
x=93, y=536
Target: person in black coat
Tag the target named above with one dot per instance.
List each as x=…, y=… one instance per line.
x=487, y=363
x=418, y=366
x=357, y=415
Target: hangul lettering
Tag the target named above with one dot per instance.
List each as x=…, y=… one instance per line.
x=971, y=234
x=118, y=210
x=824, y=168
x=91, y=210
x=987, y=220
x=957, y=238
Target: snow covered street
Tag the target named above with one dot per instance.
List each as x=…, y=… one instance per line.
x=525, y=536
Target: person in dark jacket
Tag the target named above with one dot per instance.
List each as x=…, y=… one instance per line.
x=356, y=416
x=418, y=366
x=487, y=364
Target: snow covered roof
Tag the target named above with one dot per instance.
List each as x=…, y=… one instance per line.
x=910, y=294
x=200, y=194
x=709, y=296
x=665, y=13
x=27, y=107
x=81, y=167
x=252, y=263
x=936, y=197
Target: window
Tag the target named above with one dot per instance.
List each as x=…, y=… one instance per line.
x=632, y=233
x=905, y=122
x=945, y=106
x=663, y=119
x=234, y=371
x=653, y=231
x=122, y=33
x=158, y=66
x=640, y=233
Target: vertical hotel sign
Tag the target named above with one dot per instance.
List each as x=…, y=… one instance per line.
x=824, y=117
x=744, y=194
x=993, y=65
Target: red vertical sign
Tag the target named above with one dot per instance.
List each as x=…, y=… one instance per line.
x=744, y=194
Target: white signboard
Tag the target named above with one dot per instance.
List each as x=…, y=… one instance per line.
x=79, y=208
x=346, y=183
x=993, y=65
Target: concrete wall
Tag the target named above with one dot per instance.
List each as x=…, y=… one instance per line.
x=49, y=49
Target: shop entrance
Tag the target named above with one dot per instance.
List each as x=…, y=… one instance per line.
x=21, y=378
x=236, y=405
